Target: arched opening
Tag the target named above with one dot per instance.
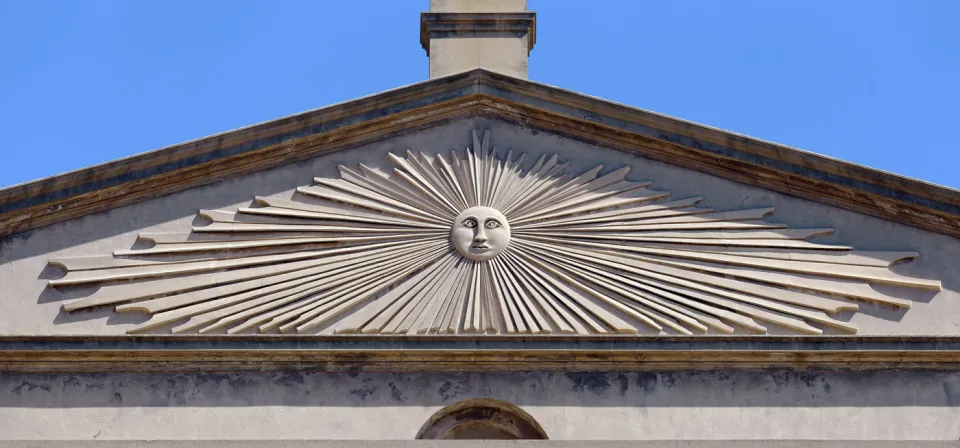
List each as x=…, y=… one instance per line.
x=481, y=418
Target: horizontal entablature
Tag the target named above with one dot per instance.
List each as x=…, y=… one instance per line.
x=465, y=353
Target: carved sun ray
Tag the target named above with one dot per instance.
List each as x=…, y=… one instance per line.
x=478, y=243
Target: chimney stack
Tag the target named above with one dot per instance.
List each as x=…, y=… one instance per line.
x=459, y=35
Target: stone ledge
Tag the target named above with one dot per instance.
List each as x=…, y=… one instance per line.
x=472, y=353
x=477, y=23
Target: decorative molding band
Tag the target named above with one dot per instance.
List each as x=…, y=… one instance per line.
x=469, y=94
x=483, y=353
x=448, y=24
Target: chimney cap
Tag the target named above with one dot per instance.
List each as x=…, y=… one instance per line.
x=478, y=24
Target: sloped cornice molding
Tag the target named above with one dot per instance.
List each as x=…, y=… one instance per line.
x=480, y=93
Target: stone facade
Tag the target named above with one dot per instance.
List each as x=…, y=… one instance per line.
x=309, y=405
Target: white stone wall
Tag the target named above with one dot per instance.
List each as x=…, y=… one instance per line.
x=709, y=405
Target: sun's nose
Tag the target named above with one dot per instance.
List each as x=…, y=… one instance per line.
x=480, y=236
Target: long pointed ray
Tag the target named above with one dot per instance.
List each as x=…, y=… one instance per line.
x=193, y=267
x=511, y=176
x=680, y=207
x=331, y=271
x=313, y=311
x=557, y=314
x=746, y=303
x=680, y=216
x=531, y=314
x=645, y=302
x=534, y=182
x=415, y=177
x=597, y=282
x=412, y=310
x=693, y=244
x=443, y=299
x=625, y=271
x=615, y=196
x=336, y=241
x=240, y=227
x=779, y=233
x=400, y=190
x=221, y=310
x=491, y=164
x=538, y=186
x=380, y=182
x=109, y=294
x=461, y=170
x=764, y=249
x=356, y=322
x=519, y=321
x=452, y=320
x=451, y=177
x=107, y=262
x=620, y=325
x=338, y=214
x=342, y=191
x=564, y=295
x=427, y=168
x=481, y=150
x=499, y=178
x=736, y=225
x=388, y=306
x=523, y=178
x=343, y=197
x=474, y=323
x=581, y=187
x=851, y=272
x=700, y=281
x=669, y=301
x=359, y=287
x=441, y=171
x=472, y=167
x=273, y=217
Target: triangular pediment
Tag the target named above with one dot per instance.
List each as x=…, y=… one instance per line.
x=485, y=240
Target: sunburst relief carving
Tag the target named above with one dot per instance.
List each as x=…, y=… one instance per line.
x=481, y=242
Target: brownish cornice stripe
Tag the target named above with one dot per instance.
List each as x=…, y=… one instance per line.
x=472, y=353
x=407, y=109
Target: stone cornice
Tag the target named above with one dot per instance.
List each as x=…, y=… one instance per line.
x=480, y=93
x=465, y=353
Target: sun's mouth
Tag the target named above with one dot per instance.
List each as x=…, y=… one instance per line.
x=479, y=246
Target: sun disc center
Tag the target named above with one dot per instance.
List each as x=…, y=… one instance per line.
x=480, y=233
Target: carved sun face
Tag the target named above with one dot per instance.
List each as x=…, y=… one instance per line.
x=484, y=242
x=480, y=233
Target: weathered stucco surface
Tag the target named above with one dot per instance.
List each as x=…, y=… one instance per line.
x=709, y=405
x=32, y=308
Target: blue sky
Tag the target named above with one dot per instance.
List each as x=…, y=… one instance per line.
x=868, y=81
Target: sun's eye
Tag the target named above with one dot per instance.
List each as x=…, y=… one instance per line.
x=491, y=224
x=469, y=223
